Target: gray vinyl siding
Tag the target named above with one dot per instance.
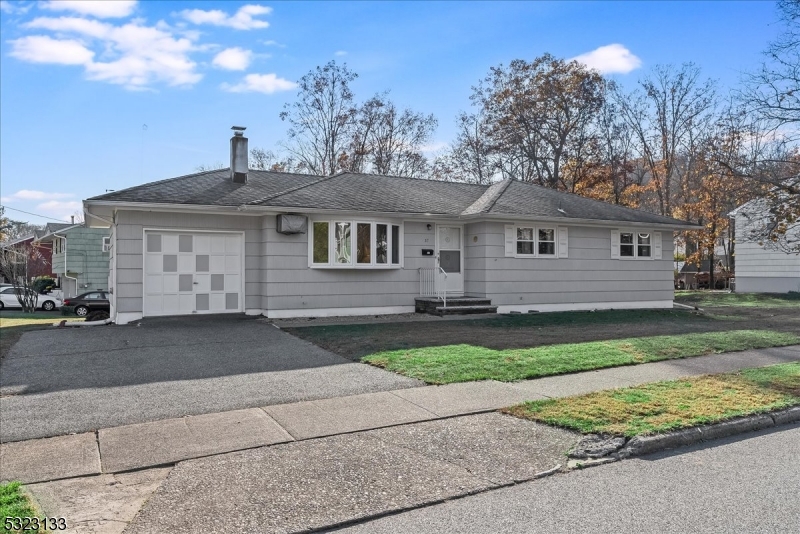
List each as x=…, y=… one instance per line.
x=759, y=270
x=588, y=275
x=290, y=284
x=475, y=259
x=130, y=231
x=85, y=259
x=278, y=277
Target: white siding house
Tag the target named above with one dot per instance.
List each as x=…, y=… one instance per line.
x=761, y=269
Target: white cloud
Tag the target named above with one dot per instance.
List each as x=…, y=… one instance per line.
x=233, y=59
x=260, y=83
x=30, y=194
x=43, y=49
x=340, y=53
x=435, y=146
x=273, y=43
x=14, y=8
x=241, y=20
x=87, y=27
x=59, y=209
x=96, y=8
x=610, y=59
x=132, y=55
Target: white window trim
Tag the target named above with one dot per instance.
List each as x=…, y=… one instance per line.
x=536, y=229
x=373, y=265
x=635, y=233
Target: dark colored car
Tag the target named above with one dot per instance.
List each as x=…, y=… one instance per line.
x=89, y=302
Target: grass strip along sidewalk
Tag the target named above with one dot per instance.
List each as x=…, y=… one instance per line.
x=464, y=363
x=14, y=503
x=671, y=405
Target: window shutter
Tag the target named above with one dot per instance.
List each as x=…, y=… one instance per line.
x=614, y=244
x=657, y=245
x=563, y=242
x=510, y=241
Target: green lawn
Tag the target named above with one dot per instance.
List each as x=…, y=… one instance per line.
x=14, y=503
x=707, y=299
x=464, y=363
x=670, y=405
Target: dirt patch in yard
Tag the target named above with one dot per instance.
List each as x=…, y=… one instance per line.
x=532, y=330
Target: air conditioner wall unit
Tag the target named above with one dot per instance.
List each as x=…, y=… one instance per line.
x=292, y=224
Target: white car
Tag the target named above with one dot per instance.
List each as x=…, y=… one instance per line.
x=8, y=299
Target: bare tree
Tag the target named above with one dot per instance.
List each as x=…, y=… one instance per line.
x=771, y=97
x=321, y=120
x=389, y=141
x=773, y=92
x=538, y=116
x=669, y=115
x=469, y=158
x=616, y=174
x=203, y=167
x=15, y=261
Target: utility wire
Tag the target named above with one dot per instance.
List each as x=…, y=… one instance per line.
x=34, y=214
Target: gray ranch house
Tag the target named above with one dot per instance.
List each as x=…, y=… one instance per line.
x=292, y=245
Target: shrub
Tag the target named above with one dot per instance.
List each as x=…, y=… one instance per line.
x=67, y=310
x=42, y=284
x=97, y=315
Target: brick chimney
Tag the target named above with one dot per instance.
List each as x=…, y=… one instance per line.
x=239, y=155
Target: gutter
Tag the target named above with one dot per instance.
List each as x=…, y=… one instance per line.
x=247, y=209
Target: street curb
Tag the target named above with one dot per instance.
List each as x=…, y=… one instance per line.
x=641, y=445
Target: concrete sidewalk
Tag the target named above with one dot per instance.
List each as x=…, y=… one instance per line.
x=164, y=442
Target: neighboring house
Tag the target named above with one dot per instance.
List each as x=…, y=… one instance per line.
x=687, y=274
x=80, y=256
x=759, y=268
x=40, y=255
x=293, y=245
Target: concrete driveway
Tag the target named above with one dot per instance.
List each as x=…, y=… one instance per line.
x=60, y=381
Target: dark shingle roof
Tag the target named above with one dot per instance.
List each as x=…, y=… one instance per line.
x=375, y=193
x=210, y=188
x=529, y=199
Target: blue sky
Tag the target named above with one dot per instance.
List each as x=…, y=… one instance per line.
x=79, y=80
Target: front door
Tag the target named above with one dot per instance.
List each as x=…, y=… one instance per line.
x=450, y=249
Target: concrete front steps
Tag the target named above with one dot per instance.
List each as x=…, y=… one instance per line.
x=455, y=306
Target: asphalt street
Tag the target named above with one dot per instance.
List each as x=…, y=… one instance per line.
x=60, y=381
x=750, y=483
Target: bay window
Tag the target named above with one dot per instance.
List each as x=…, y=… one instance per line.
x=359, y=244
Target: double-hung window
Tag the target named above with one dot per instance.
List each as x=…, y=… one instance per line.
x=536, y=241
x=360, y=244
x=635, y=244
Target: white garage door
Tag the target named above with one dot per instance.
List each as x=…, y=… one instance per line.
x=192, y=272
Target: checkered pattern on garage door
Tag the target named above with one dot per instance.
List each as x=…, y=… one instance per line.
x=192, y=272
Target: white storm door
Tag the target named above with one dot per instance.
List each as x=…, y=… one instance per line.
x=450, y=250
x=192, y=272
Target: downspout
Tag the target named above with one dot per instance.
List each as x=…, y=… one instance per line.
x=113, y=224
x=65, y=262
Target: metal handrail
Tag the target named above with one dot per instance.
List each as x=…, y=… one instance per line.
x=444, y=291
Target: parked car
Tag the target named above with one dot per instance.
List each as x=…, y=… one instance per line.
x=721, y=279
x=89, y=302
x=8, y=299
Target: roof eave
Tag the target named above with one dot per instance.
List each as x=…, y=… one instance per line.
x=248, y=209
x=577, y=220
x=53, y=234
